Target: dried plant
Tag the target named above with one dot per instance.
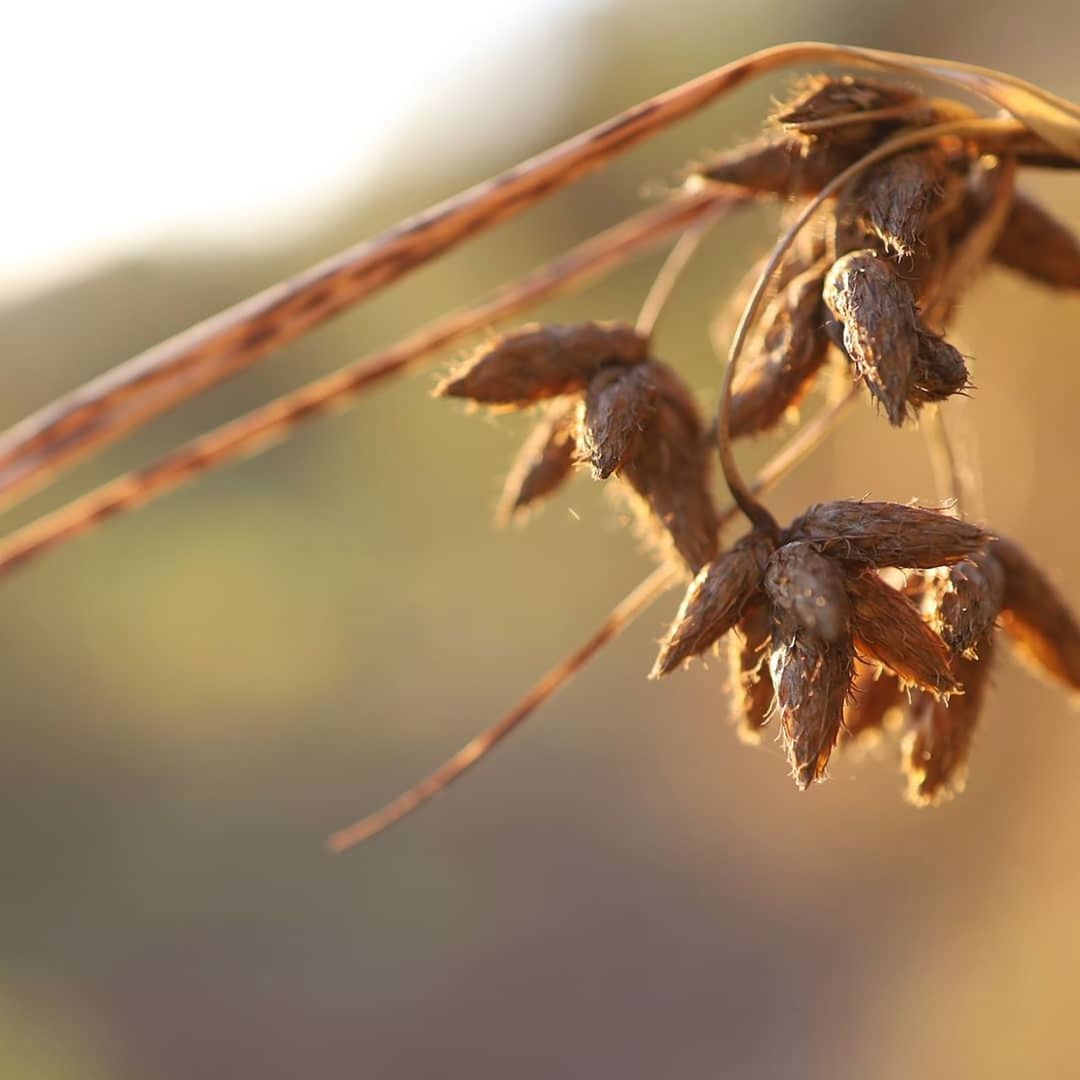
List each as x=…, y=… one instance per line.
x=895, y=200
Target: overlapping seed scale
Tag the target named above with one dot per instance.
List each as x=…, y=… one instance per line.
x=1036, y=617
x=750, y=682
x=808, y=587
x=714, y=602
x=887, y=534
x=888, y=628
x=971, y=597
x=620, y=402
x=811, y=678
x=539, y=362
x=938, y=741
x=544, y=462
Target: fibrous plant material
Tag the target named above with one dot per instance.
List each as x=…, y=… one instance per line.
x=910, y=195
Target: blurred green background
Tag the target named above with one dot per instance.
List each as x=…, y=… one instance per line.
x=196, y=695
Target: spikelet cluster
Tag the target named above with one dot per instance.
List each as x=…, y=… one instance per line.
x=611, y=406
x=858, y=616
x=882, y=249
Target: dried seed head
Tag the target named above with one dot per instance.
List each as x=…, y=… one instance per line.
x=750, y=681
x=620, y=401
x=876, y=698
x=876, y=310
x=812, y=678
x=1035, y=243
x=821, y=100
x=714, y=602
x=790, y=352
x=895, y=197
x=1042, y=628
x=937, y=372
x=888, y=627
x=779, y=166
x=938, y=741
x=539, y=362
x=808, y=588
x=887, y=534
x=670, y=472
x=543, y=463
x=970, y=598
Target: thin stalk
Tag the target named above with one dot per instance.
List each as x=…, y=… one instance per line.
x=633, y=605
x=672, y=269
x=270, y=423
x=122, y=399
x=956, y=472
x=758, y=515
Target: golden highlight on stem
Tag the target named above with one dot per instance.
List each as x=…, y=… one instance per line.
x=636, y=602
x=147, y=385
x=266, y=425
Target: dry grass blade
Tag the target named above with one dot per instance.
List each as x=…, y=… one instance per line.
x=264, y=426
x=106, y=408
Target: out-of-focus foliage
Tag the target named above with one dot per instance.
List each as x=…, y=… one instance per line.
x=196, y=695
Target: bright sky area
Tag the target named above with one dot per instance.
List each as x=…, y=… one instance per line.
x=128, y=124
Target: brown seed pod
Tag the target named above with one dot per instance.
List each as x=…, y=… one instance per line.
x=790, y=352
x=1036, y=244
x=887, y=534
x=895, y=198
x=538, y=362
x=781, y=165
x=876, y=311
x=968, y=603
x=808, y=589
x=750, y=682
x=620, y=401
x=670, y=472
x=888, y=628
x=822, y=98
x=938, y=740
x=714, y=602
x=811, y=678
x=1035, y=616
x=937, y=372
x=876, y=696
x=543, y=463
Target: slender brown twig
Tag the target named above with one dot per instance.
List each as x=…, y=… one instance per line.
x=262, y=427
x=147, y=385
x=633, y=605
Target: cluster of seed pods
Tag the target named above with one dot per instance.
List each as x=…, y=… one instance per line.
x=856, y=612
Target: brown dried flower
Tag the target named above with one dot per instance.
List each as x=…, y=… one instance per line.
x=808, y=588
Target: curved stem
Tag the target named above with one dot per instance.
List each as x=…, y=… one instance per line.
x=758, y=515
x=671, y=270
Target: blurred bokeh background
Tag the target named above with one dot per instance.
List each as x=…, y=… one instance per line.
x=196, y=695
